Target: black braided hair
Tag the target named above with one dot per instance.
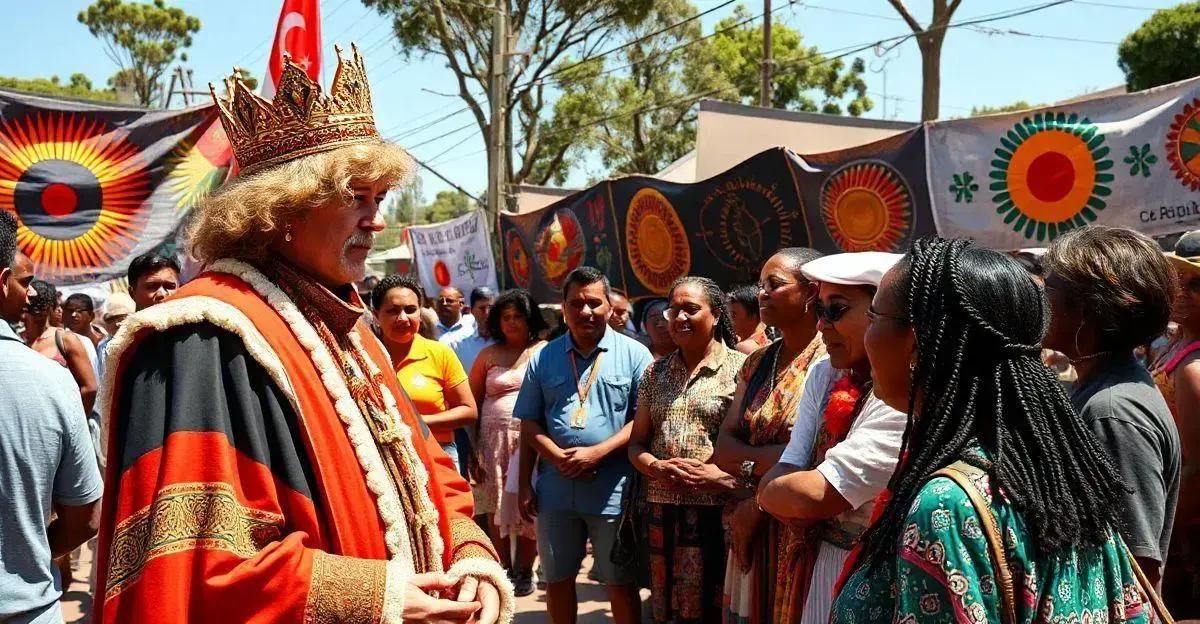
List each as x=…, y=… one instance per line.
x=717, y=302
x=979, y=319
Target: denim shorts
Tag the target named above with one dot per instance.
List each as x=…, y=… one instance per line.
x=562, y=535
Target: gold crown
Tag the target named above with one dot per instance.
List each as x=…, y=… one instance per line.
x=300, y=120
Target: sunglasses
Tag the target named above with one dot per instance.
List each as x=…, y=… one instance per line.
x=830, y=313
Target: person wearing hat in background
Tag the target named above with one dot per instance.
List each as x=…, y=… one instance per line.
x=119, y=306
x=1176, y=372
x=844, y=444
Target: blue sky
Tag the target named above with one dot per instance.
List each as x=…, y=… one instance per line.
x=1053, y=54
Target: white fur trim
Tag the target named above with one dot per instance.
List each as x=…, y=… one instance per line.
x=429, y=517
x=387, y=497
x=393, y=594
x=185, y=311
x=490, y=571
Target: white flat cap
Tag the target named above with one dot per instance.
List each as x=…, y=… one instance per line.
x=864, y=268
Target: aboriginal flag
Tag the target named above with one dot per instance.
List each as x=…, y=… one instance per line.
x=94, y=185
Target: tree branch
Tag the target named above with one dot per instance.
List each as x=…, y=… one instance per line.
x=908, y=17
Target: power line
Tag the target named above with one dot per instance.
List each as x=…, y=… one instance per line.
x=404, y=134
x=451, y=148
x=442, y=136
x=627, y=44
x=445, y=179
x=1111, y=5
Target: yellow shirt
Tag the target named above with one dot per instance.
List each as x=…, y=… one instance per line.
x=430, y=369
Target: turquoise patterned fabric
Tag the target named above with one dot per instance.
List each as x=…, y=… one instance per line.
x=943, y=571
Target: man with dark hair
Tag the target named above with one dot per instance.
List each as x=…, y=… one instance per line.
x=576, y=407
x=747, y=322
x=43, y=439
x=152, y=278
x=452, y=324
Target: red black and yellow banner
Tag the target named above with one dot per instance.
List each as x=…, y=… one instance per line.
x=94, y=185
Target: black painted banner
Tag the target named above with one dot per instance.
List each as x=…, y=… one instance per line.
x=645, y=233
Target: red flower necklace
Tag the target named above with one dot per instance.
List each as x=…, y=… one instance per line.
x=841, y=406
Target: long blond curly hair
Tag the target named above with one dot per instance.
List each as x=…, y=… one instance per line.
x=245, y=216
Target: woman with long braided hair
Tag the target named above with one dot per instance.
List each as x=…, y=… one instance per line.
x=1004, y=507
x=681, y=401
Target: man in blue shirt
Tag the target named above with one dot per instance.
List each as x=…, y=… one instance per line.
x=452, y=324
x=468, y=349
x=576, y=407
x=45, y=455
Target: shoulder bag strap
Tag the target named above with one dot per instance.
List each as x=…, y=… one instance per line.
x=1160, y=608
x=58, y=342
x=958, y=472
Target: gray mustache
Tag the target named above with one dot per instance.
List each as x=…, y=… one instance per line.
x=361, y=239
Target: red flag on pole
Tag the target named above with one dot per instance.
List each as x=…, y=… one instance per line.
x=299, y=34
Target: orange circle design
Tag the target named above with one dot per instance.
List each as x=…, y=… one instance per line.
x=866, y=206
x=560, y=247
x=1022, y=167
x=519, y=266
x=1183, y=146
x=659, y=252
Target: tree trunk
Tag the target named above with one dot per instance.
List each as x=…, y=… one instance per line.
x=931, y=74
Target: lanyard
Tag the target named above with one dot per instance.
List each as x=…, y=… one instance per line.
x=579, y=416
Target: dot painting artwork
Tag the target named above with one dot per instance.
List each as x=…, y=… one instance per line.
x=1050, y=174
x=520, y=266
x=659, y=251
x=560, y=246
x=1183, y=145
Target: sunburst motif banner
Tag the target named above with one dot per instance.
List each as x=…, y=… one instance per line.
x=93, y=186
x=645, y=233
x=1019, y=180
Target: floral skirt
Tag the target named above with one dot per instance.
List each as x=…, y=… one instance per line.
x=687, y=562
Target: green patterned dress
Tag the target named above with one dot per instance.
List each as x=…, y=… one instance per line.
x=943, y=571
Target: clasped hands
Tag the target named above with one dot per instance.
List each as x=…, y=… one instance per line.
x=691, y=473
x=476, y=601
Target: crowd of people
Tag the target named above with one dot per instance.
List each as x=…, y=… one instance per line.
x=857, y=437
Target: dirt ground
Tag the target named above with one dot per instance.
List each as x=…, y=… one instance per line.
x=593, y=599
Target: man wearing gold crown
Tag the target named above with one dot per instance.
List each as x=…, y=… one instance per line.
x=264, y=463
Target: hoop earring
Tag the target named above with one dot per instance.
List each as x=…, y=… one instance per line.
x=287, y=233
x=1078, y=351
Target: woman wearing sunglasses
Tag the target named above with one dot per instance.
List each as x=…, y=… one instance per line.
x=757, y=428
x=844, y=444
x=1004, y=507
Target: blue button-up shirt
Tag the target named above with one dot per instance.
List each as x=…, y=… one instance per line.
x=46, y=456
x=550, y=395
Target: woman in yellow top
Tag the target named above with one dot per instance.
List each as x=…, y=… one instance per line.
x=428, y=370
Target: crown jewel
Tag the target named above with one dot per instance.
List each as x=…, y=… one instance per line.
x=300, y=120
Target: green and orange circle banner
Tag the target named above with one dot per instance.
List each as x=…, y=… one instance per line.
x=1050, y=174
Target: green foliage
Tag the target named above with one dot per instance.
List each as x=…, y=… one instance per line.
x=979, y=111
x=143, y=39
x=447, y=205
x=1164, y=49
x=648, y=108
x=804, y=80
x=79, y=87
x=546, y=32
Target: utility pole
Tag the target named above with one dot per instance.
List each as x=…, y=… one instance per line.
x=498, y=92
x=764, y=93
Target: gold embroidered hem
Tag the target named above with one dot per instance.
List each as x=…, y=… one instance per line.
x=468, y=540
x=187, y=516
x=345, y=590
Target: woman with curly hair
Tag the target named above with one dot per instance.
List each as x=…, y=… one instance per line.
x=496, y=376
x=1004, y=507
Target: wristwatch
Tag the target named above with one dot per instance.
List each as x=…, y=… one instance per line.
x=748, y=469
